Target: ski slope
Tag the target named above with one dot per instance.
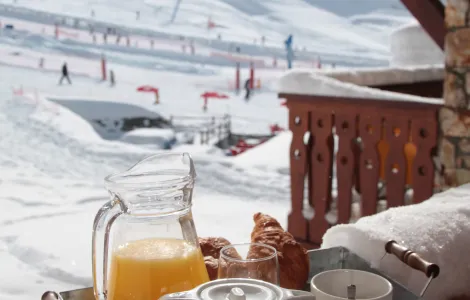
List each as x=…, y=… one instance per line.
x=335, y=38
x=53, y=161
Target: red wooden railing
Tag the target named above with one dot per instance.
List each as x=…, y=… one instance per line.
x=380, y=143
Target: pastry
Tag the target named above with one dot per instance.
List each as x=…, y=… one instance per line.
x=210, y=248
x=293, y=259
x=212, y=266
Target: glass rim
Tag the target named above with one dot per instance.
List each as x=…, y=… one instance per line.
x=271, y=256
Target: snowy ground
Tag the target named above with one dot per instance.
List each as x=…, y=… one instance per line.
x=52, y=161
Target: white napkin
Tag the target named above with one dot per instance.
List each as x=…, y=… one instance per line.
x=437, y=229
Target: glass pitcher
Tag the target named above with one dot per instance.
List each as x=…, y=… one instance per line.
x=144, y=240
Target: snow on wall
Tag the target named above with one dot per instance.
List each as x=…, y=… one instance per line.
x=412, y=45
x=306, y=82
x=386, y=76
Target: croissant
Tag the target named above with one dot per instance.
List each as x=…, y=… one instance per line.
x=212, y=267
x=210, y=248
x=293, y=259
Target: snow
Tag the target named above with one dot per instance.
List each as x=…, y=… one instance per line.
x=53, y=158
x=66, y=121
x=306, y=82
x=242, y=25
x=412, y=45
x=387, y=75
x=149, y=136
x=272, y=154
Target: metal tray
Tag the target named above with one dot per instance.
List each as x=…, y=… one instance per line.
x=341, y=258
x=323, y=260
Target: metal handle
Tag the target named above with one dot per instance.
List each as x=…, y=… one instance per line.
x=412, y=259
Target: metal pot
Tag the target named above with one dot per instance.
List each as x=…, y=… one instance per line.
x=239, y=289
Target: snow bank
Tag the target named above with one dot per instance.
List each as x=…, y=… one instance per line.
x=272, y=154
x=412, y=45
x=306, y=82
x=64, y=120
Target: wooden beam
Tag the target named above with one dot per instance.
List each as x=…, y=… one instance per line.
x=430, y=14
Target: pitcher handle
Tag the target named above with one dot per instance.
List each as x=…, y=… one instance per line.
x=105, y=217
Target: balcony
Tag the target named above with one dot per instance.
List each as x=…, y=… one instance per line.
x=357, y=150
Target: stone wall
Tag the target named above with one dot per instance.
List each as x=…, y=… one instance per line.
x=454, y=150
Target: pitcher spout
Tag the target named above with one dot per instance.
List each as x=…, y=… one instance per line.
x=157, y=181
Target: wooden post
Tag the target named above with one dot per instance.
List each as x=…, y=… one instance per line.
x=455, y=116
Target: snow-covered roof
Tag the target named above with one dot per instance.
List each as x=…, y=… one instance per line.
x=388, y=75
x=306, y=82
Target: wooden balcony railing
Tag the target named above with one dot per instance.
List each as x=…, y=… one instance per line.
x=378, y=149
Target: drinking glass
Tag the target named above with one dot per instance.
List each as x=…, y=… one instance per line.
x=250, y=260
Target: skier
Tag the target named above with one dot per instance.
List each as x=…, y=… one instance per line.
x=65, y=74
x=247, y=89
x=112, y=79
x=41, y=62
x=290, y=51
x=204, y=107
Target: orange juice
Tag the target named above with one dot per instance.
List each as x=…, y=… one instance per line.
x=148, y=269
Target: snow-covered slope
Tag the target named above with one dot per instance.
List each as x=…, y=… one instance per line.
x=339, y=31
